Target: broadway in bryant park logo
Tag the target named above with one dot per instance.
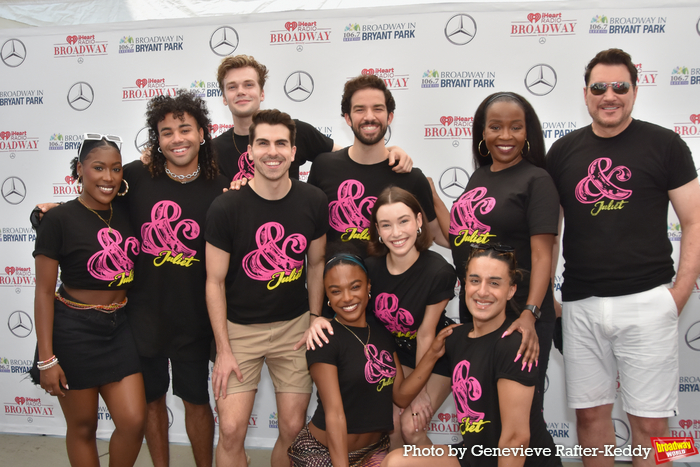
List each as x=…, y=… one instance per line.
x=355, y=32
x=59, y=142
x=27, y=97
x=205, y=88
x=603, y=24
x=432, y=78
x=130, y=44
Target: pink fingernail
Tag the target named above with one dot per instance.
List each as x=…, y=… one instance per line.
x=517, y=358
x=523, y=368
x=504, y=334
x=529, y=368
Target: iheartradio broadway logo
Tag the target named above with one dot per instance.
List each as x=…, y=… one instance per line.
x=6, y=134
x=72, y=39
x=141, y=83
x=446, y=417
x=446, y=121
x=534, y=17
x=685, y=424
x=290, y=25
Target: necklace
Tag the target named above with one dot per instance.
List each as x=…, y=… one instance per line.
x=369, y=333
x=182, y=178
x=111, y=213
x=234, y=143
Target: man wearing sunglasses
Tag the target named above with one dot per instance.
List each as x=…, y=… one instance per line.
x=615, y=179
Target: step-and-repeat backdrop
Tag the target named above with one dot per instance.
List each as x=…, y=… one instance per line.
x=439, y=61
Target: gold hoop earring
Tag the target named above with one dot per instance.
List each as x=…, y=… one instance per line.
x=126, y=190
x=528, y=148
x=488, y=153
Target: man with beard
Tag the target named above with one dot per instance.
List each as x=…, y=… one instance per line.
x=242, y=80
x=353, y=177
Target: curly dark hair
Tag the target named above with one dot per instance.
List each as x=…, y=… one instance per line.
x=365, y=82
x=535, y=155
x=184, y=102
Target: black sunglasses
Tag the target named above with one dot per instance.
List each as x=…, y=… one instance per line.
x=618, y=87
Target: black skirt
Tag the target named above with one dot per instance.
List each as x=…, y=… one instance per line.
x=93, y=348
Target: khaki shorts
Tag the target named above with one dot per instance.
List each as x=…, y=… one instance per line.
x=272, y=343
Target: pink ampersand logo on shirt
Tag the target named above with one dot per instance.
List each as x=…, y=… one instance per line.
x=270, y=258
x=112, y=263
x=378, y=364
x=159, y=235
x=246, y=169
x=465, y=388
x=386, y=307
x=463, y=215
x=599, y=182
x=351, y=211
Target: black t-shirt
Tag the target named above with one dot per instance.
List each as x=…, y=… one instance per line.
x=614, y=192
x=507, y=207
x=233, y=158
x=167, y=306
x=92, y=256
x=478, y=364
x=400, y=300
x=366, y=381
x=353, y=188
x=268, y=241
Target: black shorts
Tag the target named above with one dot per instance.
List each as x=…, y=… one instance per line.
x=93, y=348
x=190, y=379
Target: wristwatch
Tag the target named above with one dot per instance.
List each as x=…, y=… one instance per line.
x=535, y=311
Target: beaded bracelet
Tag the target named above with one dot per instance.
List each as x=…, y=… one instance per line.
x=46, y=364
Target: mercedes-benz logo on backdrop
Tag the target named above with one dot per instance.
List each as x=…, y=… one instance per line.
x=622, y=432
x=20, y=324
x=692, y=336
x=80, y=96
x=13, y=52
x=697, y=26
x=141, y=140
x=460, y=29
x=387, y=135
x=223, y=41
x=453, y=181
x=13, y=190
x=299, y=86
x=541, y=79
